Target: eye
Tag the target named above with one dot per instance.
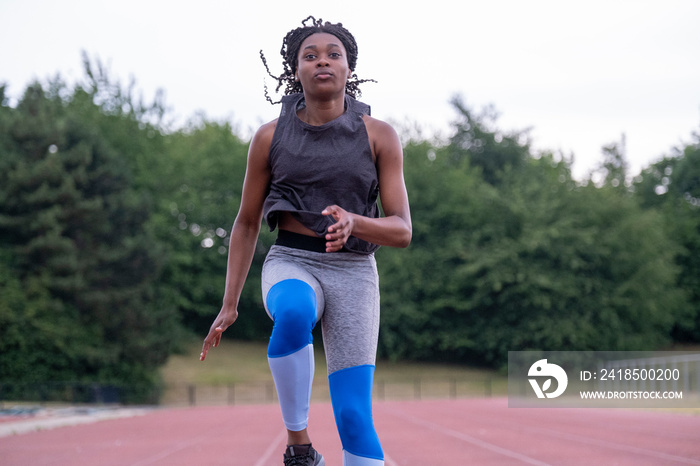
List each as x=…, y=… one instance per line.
x=309, y=56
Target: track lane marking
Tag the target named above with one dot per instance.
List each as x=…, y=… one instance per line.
x=466, y=438
x=274, y=446
x=615, y=446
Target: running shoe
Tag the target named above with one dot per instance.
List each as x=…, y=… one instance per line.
x=302, y=455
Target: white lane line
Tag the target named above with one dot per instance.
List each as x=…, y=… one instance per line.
x=469, y=439
x=615, y=446
x=275, y=446
x=389, y=461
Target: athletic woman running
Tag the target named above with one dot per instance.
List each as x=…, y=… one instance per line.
x=316, y=173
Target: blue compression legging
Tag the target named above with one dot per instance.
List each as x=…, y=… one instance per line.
x=292, y=305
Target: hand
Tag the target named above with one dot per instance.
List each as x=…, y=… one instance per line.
x=224, y=320
x=339, y=232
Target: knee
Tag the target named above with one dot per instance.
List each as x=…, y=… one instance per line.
x=294, y=316
x=292, y=305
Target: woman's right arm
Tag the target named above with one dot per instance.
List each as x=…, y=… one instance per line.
x=244, y=234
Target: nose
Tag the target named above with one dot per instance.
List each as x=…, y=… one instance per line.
x=323, y=61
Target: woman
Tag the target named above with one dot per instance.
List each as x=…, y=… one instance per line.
x=315, y=174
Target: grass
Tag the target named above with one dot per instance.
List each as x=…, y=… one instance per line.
x=231, y=362
x=237, y=372
x=243, y=366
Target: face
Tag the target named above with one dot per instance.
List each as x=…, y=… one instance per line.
x=322, y=64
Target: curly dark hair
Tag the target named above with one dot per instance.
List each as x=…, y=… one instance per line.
x=290, y=51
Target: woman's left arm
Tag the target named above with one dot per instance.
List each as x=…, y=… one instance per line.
x=394, y=229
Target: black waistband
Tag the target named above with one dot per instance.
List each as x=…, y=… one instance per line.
x=298, y=241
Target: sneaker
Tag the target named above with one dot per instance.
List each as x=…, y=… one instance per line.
x=302, y=455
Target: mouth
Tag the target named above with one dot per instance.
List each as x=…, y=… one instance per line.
x=323, y=74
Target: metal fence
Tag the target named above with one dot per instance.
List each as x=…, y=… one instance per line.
x=264, y=392
x=235, y=393
x=80, y=392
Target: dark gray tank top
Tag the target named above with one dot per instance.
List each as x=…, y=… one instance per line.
x=313, y=167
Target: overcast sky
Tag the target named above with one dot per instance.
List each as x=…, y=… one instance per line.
x=580, y=74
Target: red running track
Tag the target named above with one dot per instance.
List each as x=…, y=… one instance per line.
x=454, y=432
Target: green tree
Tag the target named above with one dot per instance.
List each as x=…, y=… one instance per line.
x=74, y=228
x=614, y=169
x=486, y=149
x=672, y=188
x=518, y=256
x=198, y=196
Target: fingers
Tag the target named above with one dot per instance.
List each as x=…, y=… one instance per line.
x=211, y=341
x=334, y=246
x=339, y=232
x=331, y=210
x=203, y=354
x=227, y=316
x=341, y=218
x=340, y=226
x=336, y=237
x=335, y=242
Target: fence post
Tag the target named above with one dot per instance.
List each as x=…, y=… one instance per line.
x=191, y=394
x=417, y=389
x=97, y=392
x=380, y=390
x=232, y=394
x=270, y=392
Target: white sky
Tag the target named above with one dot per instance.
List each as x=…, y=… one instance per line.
x=580, y=74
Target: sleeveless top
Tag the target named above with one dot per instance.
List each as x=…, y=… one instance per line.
x=312, y=167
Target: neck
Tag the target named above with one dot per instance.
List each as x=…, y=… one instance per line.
x=319, y=112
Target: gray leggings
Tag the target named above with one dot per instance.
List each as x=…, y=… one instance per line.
x=347, y=296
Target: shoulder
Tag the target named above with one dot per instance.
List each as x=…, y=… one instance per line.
x=261, y=143
x=383, y=138
x=378, y=127
x=265, y=132
x=262, y=139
